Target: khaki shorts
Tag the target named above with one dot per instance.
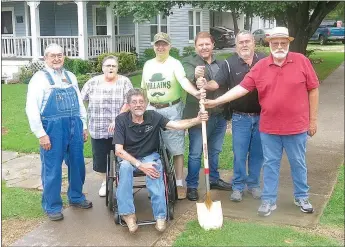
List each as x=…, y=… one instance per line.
x=173, y=139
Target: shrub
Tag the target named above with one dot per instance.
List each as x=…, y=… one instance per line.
x=127, y=62
x=82, y=79
x=188, y=50
x=175, y=53
x=77, y=66
x=262, y=49
x=25, y=75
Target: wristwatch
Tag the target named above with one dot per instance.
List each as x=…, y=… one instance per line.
x=138, y=164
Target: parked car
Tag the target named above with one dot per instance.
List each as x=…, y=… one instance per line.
x=260, y=35
x=223, y=36
x=328, y=31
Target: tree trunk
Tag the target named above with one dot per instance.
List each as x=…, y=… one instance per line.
x=280, y=21
x=234, y=20
x=247, y=22
x=302, y=27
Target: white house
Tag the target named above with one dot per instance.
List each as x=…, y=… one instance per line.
x=86, y=29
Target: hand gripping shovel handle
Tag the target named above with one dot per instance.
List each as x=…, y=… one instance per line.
x=205, y=152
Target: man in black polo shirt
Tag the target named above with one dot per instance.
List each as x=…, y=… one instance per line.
x=246, y=140
x=136, y=140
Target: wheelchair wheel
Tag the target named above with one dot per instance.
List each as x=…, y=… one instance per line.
x=110, y=182
x=116, y=214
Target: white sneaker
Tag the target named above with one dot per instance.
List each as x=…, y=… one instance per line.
x=103, y=190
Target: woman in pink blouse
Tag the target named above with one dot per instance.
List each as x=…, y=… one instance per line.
x=106, y=97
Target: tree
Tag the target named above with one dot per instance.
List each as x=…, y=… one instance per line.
x=301, y=17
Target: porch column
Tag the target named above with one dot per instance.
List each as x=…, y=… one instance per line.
x=82, y=30
x=35, y=29
x=110, y=27
x=136, y=37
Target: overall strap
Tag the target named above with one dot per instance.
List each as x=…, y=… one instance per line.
x=49, y=77
x=67, y=77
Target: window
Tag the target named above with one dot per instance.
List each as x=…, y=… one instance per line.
x=100, y=21
x=158, y=24
x=7, y=21
x=194, y=23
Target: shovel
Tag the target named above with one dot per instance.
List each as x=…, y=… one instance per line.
x=210, y=214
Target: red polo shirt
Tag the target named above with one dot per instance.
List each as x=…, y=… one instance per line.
x=283, y=93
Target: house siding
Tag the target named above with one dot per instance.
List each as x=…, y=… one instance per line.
x=47, y=18
x=179, y=30
x=18, y=11
x=66, y=26
x=126, y=25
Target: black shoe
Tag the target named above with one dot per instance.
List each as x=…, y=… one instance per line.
x=55, y=216
x=192, y=194
x=84, y=204
x=220, y=185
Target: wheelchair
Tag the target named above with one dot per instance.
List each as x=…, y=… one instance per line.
x=112, y=180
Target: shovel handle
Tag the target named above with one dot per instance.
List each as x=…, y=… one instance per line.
x=205, y=149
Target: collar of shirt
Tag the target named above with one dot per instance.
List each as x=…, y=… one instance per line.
x=213, y=59
x=289, y=59
x=255, y=59
x=147, y=119
x=54, y=71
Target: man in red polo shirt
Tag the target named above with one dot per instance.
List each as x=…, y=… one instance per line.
x=288, y=94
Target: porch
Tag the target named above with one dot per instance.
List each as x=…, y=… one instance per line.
x=21, y=47
x=84, y=29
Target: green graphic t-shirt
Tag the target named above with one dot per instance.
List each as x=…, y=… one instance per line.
x=161, y=80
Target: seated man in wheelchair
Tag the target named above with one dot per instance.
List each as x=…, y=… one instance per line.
x=136, y=140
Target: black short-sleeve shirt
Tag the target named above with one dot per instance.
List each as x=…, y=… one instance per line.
x=238, y=69
x=139, y=140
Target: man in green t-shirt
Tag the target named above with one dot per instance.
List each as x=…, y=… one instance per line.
x=163, y=79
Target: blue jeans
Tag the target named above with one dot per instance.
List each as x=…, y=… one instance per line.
x=216, y=127
x=246, y=142
x=295, y=148
x=124, y=193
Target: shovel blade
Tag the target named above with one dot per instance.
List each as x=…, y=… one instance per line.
x=210, y=218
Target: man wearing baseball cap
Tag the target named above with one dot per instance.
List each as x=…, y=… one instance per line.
x=163, y=79
x=288, y=94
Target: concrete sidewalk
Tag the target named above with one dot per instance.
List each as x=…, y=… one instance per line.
x=96, y=226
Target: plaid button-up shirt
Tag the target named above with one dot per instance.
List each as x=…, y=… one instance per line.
x=105, y=102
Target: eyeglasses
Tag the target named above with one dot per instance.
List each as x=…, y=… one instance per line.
x=282, y=44
x=53, y=56
x=110, y=66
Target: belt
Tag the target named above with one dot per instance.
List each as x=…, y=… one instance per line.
x=159, y=106
x=246, y=113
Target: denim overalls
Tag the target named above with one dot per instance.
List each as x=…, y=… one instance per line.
x=62, y=123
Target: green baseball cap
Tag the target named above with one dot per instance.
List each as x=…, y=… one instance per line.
x=162, y=37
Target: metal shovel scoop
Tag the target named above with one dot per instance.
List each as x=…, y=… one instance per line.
x=210, y=214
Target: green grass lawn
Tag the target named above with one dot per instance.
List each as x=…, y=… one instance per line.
x=249, y=234
x=331, y=61
x=21, y=203
x=333, y=214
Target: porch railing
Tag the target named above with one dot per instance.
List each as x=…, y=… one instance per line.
x=124, y=43
x=21, y=47
x=15, y=46
x=98, y=44
x=68, y=43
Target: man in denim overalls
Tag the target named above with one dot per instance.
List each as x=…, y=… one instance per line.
x=57, y=117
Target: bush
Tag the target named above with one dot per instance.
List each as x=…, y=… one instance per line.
x=77, y=66
x=127, y=62
x=175, y=53
x=82, y=79
x=188, y=50
x=262, y=49
x=25, y=75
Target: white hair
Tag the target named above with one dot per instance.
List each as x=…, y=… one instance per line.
x=53, y=48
